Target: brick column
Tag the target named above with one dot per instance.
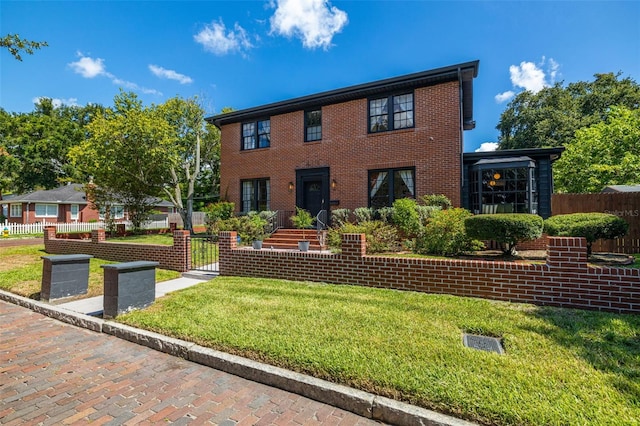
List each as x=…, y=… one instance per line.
x=97, y=236
x=354, y=245
x=567, y=252
x=227, y=241
x=182, y=244
x=49, y=233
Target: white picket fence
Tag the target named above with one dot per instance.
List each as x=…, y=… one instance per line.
x=38, y=228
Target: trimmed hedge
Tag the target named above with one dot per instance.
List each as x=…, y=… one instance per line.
x=591, y=226
x=507, y=229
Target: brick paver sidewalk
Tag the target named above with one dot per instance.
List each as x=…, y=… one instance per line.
x=54, y=373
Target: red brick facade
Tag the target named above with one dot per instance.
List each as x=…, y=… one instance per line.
x=566, y=280
x=433, y=147
x=176, y=257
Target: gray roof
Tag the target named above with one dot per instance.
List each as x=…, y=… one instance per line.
x=465, y=73
x=622, y=188
x=67, y=194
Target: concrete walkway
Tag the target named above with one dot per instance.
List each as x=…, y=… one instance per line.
x=95, y=305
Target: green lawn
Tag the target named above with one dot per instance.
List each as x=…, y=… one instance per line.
x=561, y=366
x=21, y=271
x=161, y=239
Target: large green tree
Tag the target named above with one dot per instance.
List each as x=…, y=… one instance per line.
x=128, y=153
x=551, y=117
x=186, y=118
x=606, y=153
x=36, y=144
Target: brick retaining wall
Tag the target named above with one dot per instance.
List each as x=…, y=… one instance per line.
x=176, y=257
x=566, y=280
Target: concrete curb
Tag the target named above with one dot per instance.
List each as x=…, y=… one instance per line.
x=356, y=401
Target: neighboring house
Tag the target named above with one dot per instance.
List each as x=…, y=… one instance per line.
x=621, y=188
x=65, y=204
x=359, y=146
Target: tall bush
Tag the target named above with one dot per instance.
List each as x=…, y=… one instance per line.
x=445, y=234
x=339, y=217
x=507, y=229
x=591, y=226
x=406, y=217
x=216, y=212
x=436, y=200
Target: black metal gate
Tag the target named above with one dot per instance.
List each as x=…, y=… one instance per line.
x=204, y=253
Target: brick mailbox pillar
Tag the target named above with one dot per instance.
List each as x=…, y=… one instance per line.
x=64, y=276
x=128, y=286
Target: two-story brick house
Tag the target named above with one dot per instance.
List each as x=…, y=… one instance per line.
x=365, y=145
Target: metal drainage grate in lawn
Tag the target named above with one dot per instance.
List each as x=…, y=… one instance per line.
x=483, y=343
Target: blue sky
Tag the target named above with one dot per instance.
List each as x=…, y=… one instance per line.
x=248, y=53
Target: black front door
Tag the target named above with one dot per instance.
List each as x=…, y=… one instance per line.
x=312, y=189
x=312, y=196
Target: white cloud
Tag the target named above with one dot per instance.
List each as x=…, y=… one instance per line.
x=133, y=86
x=528, y=76
x=57, y=102
x=488, y=146
x=314, y=21
x=88, y=67
x=504, y=96
x=170, y=74
x=216, y=39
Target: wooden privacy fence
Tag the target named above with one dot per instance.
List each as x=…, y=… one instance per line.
x=625, y=205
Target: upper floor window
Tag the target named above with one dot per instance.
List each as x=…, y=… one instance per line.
x=256, y=195
x=16, y=210
x=313, y=125
x=382, y=117
x=388, y=185
x=46, y=210
x=256, y=134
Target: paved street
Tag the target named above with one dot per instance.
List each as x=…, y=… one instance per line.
x=54, y=373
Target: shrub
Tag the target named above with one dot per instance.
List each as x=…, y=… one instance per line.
x=436, y=200
x=385, y=214
x=426, y=212
x=591, y=226
x=406, y=217
x=445, y=234
x=251, y=227
x=340, y=216
x=363, y=214
x=381, y=237
x=216, y=212
x=507, y=229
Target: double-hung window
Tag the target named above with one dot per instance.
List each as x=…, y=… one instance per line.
x=16, y=210
x=46, y=210
x=256, y=195
x=75, y=208
x=388, y=185
x=313, y=125
x=256, y=134
x=391, y=113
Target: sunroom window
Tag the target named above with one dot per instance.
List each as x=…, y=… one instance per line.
x=506, y=185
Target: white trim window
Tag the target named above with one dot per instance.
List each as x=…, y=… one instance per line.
x=117, y=212
x=15, y=210
x=75, y=210
x=46, y=210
